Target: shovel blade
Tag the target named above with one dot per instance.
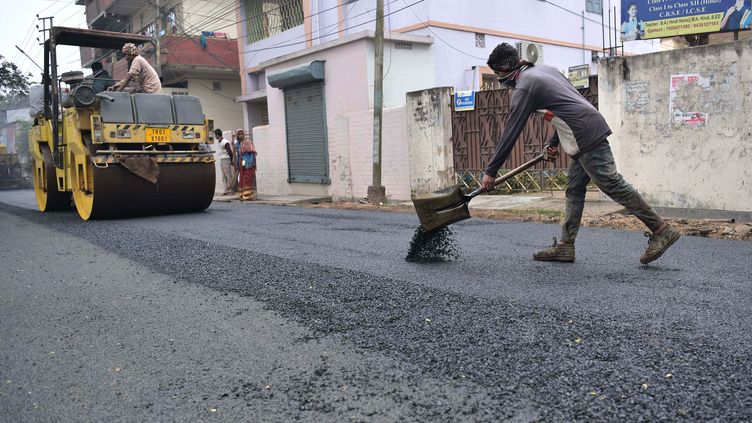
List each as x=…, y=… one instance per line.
x=436, y=210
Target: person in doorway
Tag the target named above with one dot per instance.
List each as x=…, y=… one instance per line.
x=247, y=167
x=582, y=132
x=140, y=71
x=100, y=79
x=632, y=29
x=225, y=160
x=737, y=17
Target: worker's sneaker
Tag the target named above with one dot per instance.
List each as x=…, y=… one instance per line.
x=560, y=251
x=659, y=242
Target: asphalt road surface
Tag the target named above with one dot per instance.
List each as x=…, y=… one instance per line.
x=268, y=313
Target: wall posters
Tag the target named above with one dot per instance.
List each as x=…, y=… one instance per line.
x=685, y=93
x=645, y=19
x=579, y=76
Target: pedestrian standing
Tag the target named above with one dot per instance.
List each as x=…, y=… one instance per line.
x=582, y=132
x=247, y=167
x=225, y=160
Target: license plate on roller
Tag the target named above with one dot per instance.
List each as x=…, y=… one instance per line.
x=158, y=135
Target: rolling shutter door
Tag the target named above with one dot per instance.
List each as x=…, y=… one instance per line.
x=307, y=156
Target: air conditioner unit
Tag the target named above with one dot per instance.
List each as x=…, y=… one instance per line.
x=530, y=52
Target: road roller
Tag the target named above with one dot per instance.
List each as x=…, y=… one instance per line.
x=116, y=154
x=10, y=169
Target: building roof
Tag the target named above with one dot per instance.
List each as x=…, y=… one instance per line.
x=95, y=38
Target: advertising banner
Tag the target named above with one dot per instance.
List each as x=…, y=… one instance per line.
x=645, y=19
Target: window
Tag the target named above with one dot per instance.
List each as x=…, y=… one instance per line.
x=594, y=6
x=265, y=18
x=216, y=86
x=480, y=40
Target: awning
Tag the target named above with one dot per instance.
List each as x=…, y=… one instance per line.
x=301, y=75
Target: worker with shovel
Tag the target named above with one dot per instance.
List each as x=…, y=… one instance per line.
x=581, y=131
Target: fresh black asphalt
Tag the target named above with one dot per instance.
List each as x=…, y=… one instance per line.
x=351, y=331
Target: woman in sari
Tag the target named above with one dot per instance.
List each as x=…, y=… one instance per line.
x=247, y=167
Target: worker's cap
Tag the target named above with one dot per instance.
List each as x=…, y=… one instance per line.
x=130, y=48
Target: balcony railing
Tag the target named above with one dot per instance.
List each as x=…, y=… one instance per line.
x=265, y=18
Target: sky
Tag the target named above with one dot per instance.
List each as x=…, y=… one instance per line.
x=17, y=27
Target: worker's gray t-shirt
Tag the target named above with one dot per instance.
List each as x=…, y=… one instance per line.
x=543, y=88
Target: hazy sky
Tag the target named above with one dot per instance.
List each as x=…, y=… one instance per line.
x=17, y=27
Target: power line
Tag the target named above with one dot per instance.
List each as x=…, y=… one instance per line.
x=441, y=39
x=596, y=22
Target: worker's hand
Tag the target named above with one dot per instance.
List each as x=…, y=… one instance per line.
x=551, y=154
x=488, y=183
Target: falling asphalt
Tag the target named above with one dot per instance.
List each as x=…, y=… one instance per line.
x=317, y=316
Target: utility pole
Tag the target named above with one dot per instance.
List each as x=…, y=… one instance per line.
x=376, y=192
x=158, y=28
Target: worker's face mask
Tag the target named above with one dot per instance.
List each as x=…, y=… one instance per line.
x=507, y=78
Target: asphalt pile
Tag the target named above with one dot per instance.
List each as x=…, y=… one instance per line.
x=434, y=246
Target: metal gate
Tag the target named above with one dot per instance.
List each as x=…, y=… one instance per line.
x=307, y=155
x=475, y=134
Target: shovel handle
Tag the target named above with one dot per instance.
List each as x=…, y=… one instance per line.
x=530, y=163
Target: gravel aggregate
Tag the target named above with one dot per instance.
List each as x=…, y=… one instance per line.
x=498, y=336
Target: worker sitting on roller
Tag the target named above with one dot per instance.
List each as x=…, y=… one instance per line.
x=139, y=70
x=100, y=79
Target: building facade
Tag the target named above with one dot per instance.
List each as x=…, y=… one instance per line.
x=318, y=55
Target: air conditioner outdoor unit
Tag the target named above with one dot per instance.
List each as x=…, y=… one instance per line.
x=530, y=52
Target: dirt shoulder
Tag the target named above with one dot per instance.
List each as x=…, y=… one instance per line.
x=718, y=229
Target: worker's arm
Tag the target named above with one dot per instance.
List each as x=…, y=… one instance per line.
x=229, y=151
x=522, y=106
x=120, y=85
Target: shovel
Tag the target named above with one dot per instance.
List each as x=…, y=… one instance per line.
x=440, y=209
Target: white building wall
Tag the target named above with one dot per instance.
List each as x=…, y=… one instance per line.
x=348, y=93
x=453, y=25
x=675, y=164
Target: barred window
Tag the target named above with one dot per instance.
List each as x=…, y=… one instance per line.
x=594, y=6
x=265, y=18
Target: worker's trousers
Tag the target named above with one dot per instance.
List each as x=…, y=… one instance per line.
x=598, y=165
x=227, y=173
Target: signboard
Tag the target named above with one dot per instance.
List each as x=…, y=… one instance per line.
x=579, y=76
x=645, y=19
x=464, y=101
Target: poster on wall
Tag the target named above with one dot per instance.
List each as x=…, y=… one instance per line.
x=685, y=92
x=646, y=19
x=579, y=76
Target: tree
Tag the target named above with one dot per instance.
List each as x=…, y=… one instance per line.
x=14, y=85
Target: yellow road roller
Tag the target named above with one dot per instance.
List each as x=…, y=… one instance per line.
x=10, y=169
x=116, y=154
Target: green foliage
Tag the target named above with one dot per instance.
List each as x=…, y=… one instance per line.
x=14, y=85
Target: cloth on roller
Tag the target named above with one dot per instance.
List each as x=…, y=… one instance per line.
x=144, y=167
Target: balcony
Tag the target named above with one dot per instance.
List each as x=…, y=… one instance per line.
x=112, y=15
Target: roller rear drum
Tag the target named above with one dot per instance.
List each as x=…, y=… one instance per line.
x=113, y=191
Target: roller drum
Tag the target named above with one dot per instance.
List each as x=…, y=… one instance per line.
x=180, y=188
